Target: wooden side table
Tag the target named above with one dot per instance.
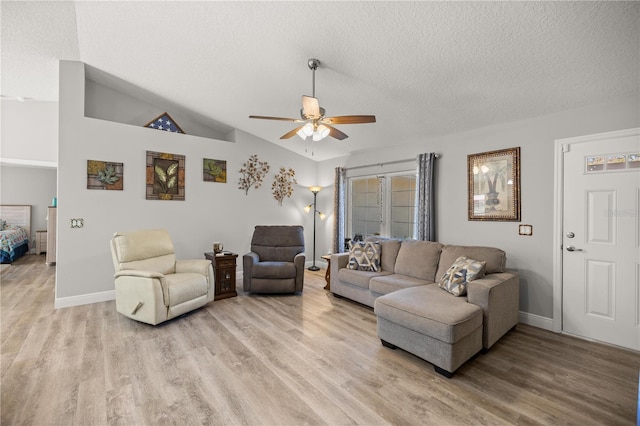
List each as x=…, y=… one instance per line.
x=224, y=271
x=327, y=274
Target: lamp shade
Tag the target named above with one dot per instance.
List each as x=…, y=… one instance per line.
x=308, y=129
x=323, y=131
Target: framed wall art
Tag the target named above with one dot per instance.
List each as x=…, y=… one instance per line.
x=165, y=176
x=105, y=175
x=214, y=170
x=494, y=185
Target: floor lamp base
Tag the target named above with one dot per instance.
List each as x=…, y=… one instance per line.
x=313, y=268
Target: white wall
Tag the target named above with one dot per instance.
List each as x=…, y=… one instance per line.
x=531, y=256
x=29, y=132
x=113, y=105
x=29, y=185
x=211, y=211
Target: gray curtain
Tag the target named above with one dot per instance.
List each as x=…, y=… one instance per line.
x=425, y=194
x=339, y=191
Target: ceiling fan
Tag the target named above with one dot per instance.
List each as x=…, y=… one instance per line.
x=312, y=115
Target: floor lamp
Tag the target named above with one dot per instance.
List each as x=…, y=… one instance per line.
x=315, y=190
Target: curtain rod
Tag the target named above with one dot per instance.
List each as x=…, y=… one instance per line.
x=385, y=163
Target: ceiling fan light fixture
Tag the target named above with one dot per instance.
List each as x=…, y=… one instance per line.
x=302, y=134
x=307, y=129
x=321, y=133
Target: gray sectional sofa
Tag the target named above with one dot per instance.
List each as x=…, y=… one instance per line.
x=416, y=315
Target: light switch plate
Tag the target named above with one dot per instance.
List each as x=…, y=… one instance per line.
x=525, y=230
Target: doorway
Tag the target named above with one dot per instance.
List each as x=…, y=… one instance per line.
x=597, y=238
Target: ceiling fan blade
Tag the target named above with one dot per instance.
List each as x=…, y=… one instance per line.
x=262, y=117
x=335, y=133
x=350, y=119
x=310, y=106
x=291, y=133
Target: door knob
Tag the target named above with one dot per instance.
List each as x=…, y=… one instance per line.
x=572, y=248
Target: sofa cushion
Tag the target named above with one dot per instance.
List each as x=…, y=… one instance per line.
x=418, y=259
x=364, y=256
x=389, y=248
x=358, y=278
x=388, y=283
x=428, y=310
x=495, y=258
x=273, y=270
x=460, y=273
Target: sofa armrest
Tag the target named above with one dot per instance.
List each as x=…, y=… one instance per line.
x=337, y=262
x=498, y=295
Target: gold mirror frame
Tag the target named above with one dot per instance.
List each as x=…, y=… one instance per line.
x=493, y=180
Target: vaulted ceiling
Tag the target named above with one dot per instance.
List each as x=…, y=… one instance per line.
x=423, y=68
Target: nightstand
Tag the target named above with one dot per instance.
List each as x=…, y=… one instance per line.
x=224, y=271
x=41, y=242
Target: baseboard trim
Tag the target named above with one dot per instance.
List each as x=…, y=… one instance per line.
x=84, y=299
x=536, y=320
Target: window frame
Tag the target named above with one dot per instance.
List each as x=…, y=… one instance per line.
x=385, y=228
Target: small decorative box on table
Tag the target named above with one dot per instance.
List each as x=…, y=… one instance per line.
x=224, y=270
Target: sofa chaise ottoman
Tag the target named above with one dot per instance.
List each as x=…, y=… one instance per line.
x=430, y=324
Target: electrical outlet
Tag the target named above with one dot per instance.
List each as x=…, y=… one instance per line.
x=77, y=223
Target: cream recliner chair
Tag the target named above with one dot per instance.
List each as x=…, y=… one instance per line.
x=151, y=285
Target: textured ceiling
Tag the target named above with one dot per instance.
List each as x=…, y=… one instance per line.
x=423, y=68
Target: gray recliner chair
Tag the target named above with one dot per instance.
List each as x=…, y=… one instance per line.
x=276, y=261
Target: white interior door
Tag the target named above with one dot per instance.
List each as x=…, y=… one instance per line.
x=601, y=241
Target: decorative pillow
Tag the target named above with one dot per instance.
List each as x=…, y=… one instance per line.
x=364, y=256
x=3, y=224
x=463, y=271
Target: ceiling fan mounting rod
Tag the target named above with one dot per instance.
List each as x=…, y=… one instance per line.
x=313, y=66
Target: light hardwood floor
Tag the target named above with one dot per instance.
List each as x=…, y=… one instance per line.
x=282, y=360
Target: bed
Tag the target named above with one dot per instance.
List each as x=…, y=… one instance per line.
x=15, y=229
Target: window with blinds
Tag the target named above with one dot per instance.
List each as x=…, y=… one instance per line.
x=382, y=205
